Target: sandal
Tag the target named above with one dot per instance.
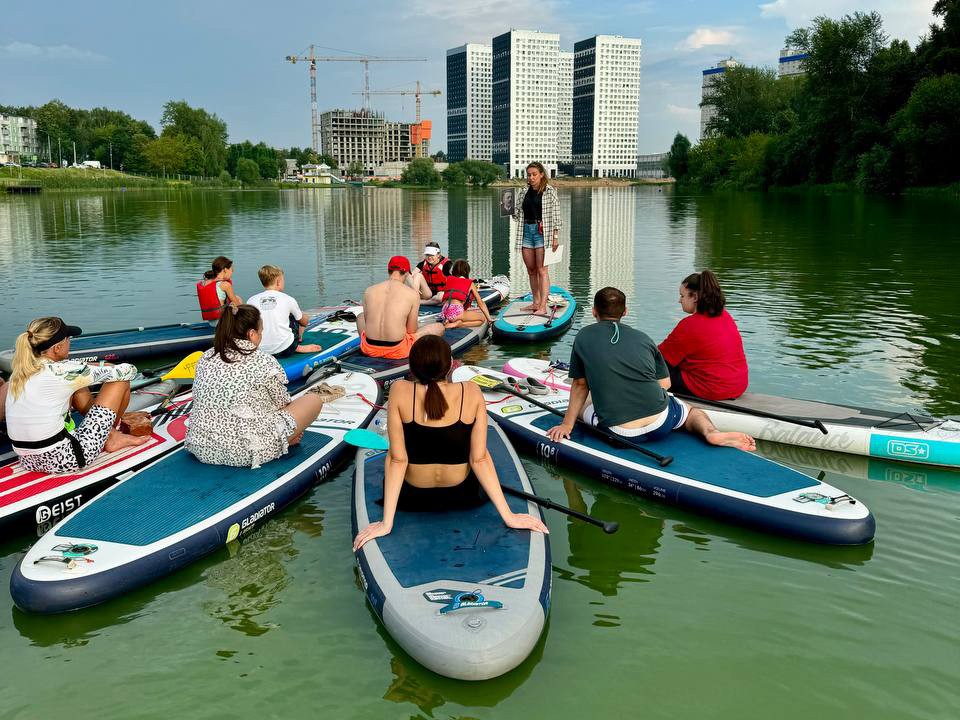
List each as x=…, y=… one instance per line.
x=328, y=393
x=517, y=386
x=535, y=387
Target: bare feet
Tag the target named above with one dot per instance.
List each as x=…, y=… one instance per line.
x=452, y=324
x=309, y=348
x=117, y=440
x=295, y=439
x=738, y=440
x=529, y=307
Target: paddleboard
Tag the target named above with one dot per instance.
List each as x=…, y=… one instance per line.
x=336, y=334
x=517, y=323
x=903, y=436
x=460, y=592
x=176, y=510
x=730, y=484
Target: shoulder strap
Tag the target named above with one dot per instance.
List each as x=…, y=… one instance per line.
x=460, y=416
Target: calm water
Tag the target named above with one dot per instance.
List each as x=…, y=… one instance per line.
x=842, y=298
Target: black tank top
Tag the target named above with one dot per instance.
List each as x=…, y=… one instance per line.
x=443, y=445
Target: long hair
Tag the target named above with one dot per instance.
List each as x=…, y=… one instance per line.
x=710, y=298
x=460, y=268
x=234, y=324
x=26, y=360
x=430, y=359
x=542, y=185
x=218, y=265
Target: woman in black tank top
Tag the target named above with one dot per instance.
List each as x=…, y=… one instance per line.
x=438, y=458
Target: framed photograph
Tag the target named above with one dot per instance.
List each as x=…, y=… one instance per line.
x=507, y=202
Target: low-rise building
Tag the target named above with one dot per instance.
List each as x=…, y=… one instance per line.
x=653, y=166
x=18, y=139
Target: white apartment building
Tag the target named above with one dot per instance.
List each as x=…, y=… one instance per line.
x=18, y=138
x=468, y=102
x=710, y=75
x=565, y=109
x=791, y=62
x=606, y=106
x=524, y=100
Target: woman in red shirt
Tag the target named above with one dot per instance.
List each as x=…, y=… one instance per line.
x=705, y=350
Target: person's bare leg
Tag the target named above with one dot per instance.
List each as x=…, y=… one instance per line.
x=471, y=318
x=544, y=288
x=82, y=401
x=115, y=396
x=304, y=410
x=308, y=348
x=530, y=262
x=698, y=423
x=429, y=329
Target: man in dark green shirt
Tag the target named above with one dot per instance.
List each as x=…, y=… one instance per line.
x=620, y=382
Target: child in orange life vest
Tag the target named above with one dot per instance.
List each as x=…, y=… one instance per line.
x=215, y=290
x=460, y=290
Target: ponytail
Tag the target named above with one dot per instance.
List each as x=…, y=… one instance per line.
x=710, y=298
x=430, y=360
x=26, y=360
x=218, y=265
x=236, y=322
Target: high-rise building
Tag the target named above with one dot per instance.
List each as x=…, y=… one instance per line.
x=606, y=106
x=18, y=138
x=524, y=100
x=565, y=111
x=468, y=102
x=710, y=75
x=362, y=136
x=792, y=62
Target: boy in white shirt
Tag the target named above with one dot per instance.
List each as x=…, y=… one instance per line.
x=283, y=321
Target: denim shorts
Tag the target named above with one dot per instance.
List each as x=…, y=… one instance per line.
x=532, y=237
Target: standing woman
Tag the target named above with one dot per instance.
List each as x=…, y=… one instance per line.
x=704, y=352
x=215, y=289
x=538, y=216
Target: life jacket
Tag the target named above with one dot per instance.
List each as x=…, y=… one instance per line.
x=458, y=288
x=210, y=305
x=434, y=275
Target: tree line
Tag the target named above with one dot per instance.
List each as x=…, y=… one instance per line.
x=867, y=111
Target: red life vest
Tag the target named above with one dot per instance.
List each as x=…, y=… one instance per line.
x=210, y=305
x=458, y=288
x=434, y=274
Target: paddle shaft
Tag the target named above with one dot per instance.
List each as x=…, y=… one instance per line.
x=815, y=424
x=608, y=527
x=549, y=323
x=663, y=460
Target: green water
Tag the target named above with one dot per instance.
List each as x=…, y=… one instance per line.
x=839, y=298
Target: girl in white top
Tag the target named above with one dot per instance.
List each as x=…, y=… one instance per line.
x=44, y=387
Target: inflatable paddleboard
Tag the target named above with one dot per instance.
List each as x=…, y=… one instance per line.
x=463, y=594
x=730, y=484
x=904, y=436
x=383, y=370
x=134, y=344
x=336, y=334
x=176, y=510
x=517, y=323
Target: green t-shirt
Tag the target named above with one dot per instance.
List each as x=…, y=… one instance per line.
x=622, y=376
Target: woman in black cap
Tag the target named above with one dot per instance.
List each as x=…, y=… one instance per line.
x=45, y=386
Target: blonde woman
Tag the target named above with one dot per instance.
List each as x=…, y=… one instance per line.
x=45, y=386
x=537, y=213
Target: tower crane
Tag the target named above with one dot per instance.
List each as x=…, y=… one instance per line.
x=313, y=59
x=416, y=93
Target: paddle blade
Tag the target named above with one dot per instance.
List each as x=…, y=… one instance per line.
x=186, y=369
x=485, y=381
x=366, y=439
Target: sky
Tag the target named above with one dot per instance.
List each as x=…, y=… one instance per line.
x=228, y=57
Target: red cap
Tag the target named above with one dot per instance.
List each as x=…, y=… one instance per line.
x=398, y=262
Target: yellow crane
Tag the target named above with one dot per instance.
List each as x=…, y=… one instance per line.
x=313, y=59
x=417, y=94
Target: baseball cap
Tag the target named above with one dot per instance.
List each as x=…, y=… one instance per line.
x=398, y=262
x=63, y=332
x=431, y=249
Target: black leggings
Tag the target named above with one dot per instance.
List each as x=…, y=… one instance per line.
x=463, y=496
x=677, y=385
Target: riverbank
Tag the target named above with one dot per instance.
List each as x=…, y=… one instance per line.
x=100, y=179
x=589, y=182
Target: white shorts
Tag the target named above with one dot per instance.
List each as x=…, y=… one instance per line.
x=672, y=418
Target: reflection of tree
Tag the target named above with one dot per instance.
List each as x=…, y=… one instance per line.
x=838, y=274
x=610, y=560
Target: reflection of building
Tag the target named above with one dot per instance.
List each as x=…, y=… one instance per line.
x=524, y=100
x=612, y=239
x=18, y=139
x=468, y=102
x=606, y=106
x=710, y=75
x=792, y=62
x=565, y=111
x=652, y=166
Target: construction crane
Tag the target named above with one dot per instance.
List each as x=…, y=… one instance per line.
x=313, y=59
x=416, y=93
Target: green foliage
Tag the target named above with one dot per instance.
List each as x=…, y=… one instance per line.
x=454, y=175
x=208, y=130
x=928, y=131
x=439, y=156
x=876, y=171
x=420, y=172
x=248, y=172
x=678, y=159
x=171, y=154
x=269, y=161
x=356, y=169
x=750, y=100
x=478, y=173
x=225, y=178
x=325, y=159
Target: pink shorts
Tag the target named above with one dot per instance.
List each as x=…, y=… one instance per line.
x=451, y=311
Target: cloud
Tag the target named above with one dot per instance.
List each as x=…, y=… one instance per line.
x=483, y=19
x=29, y=51
x=704, y=37
x=683, y=112
x=906, y=19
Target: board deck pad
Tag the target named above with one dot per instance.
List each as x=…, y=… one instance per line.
x=460, y=339
x=517, y=323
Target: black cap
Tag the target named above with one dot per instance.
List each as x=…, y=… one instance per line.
x=63, y=332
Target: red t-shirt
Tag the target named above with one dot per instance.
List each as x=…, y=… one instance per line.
x=708, y=351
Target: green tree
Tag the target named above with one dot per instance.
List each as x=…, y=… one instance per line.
x=453, y=175
x=421, y=172
x=939, y=52
x=928, y=131
x=326, y=160
x=168, y=154
x=480, y=173
x=439, y=156
x=248, y=172
x=678, y=159
x=207, y=129
x=749, y=100
x=356, y=169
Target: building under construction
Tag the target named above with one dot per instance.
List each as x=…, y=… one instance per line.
x=364, y=136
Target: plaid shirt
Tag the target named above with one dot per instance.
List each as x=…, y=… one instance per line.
x=551, y=214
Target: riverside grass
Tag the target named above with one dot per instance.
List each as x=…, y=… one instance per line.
x=98, y=179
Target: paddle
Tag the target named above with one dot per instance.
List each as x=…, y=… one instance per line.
x=487, y=382
x=374, y=441
x=815, y=424
x=549, y=323
x=186, y=369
